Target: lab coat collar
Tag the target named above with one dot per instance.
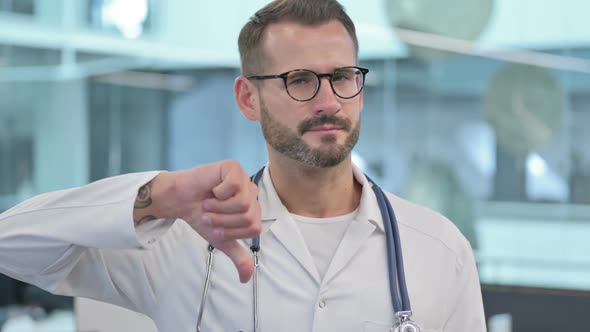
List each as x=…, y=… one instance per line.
x=273, y=208
x=277, y=220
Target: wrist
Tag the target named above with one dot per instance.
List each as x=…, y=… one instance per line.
x=150, y=202
x=163, y=195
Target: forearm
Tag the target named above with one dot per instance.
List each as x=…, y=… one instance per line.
x=143, y=209
x=154, y=199
x=41, y=232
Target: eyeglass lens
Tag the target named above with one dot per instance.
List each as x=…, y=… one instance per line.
x=304, y=84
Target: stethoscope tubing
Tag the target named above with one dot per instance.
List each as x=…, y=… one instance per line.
x=397, y=278
x=397, y=281
x=210, y=249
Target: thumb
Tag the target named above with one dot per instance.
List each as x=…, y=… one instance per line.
x=241, y=257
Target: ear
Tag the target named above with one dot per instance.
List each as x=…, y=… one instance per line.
x=246, y=95
x=361, y=98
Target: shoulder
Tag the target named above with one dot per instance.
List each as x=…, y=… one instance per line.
x=433, y=231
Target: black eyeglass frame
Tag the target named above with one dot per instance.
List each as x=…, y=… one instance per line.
x=319, y=77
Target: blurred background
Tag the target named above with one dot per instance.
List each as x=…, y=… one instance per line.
x=479, y=109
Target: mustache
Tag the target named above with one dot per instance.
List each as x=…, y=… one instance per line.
x=324, y=119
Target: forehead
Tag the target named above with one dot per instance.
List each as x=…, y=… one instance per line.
x=290, y=45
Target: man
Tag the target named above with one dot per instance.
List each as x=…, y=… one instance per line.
x=141, y=240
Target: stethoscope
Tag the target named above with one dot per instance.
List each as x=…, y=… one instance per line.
x=397, y=280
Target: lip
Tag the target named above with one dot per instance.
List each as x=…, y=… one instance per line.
x=325, y=129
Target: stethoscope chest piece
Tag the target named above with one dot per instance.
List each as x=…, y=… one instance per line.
x=407, y=326
x=404, y=323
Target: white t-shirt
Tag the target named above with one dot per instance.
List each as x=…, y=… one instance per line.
x=323, y=236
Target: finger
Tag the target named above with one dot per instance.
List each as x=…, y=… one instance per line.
x=233, y=180
x=253, y=189
x=240, y=203
x=236, y=233
x=206, y=177
x=241, y=258
x=223, y=220
x=237, y=204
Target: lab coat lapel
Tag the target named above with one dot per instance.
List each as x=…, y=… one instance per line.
x=354, y=239
x=367, y=221
x=277, y=220
x=287, y=233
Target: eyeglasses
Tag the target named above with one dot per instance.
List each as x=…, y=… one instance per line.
x=303, y=84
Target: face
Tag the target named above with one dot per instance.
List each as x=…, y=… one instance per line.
x=291, y=144
x=320, y=132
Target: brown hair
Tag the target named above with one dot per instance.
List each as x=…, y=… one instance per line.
x=307, y=12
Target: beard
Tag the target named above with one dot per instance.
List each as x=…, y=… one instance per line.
x=291, y=144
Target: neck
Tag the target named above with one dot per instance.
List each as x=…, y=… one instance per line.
x=316, y=192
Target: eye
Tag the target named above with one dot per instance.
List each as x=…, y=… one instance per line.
x=344, y=75
x=299, y=79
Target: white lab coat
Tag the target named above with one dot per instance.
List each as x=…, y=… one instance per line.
x=82, y=242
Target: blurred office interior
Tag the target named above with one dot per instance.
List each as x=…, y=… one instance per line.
x=479, y=109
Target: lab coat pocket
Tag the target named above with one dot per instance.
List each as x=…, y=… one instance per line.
x=382, y=327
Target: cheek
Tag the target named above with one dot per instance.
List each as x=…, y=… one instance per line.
x=285, y=113
x=352, y=108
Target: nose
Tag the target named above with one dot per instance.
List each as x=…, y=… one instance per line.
x=326, y=101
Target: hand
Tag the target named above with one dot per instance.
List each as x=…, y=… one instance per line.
x=218, y=201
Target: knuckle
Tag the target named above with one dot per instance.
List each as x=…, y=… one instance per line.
x=250, y=217
x=254, y=189
x=207, y=205
x=257, y=211
x=219, y=234
x=232, y=163
x=243, y=204
x=233, y=185
x=214, y=222
x=256, y=228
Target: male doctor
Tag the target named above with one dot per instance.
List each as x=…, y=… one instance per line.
x=141, y=240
